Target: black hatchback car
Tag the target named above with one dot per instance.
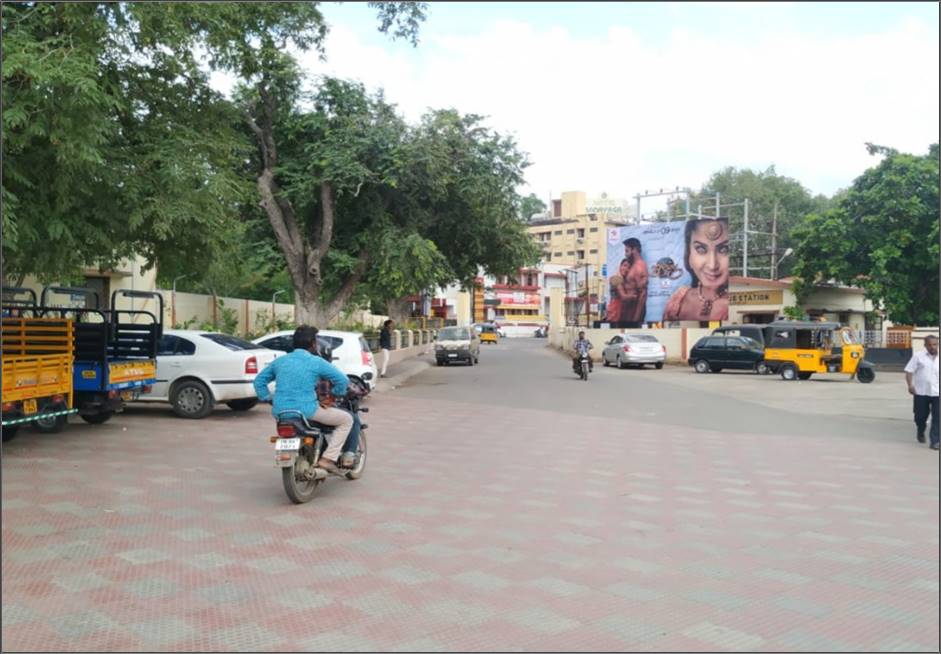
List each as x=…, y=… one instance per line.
x=713, y=353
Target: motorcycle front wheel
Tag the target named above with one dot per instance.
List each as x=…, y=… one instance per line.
x=297, y=485
x=360, y=466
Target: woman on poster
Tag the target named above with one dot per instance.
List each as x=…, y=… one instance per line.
x=707, y=261
x=618, y=293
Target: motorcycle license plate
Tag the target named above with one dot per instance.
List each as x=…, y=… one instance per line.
x=29, y=406
x=288, y=444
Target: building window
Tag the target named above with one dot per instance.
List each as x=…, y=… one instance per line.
x=581, y=233
x=581, y=254
x=570, y=252
x=593, y=252
x=593, y=229
x=558, y=232
x=558, y=254
x=570, y=231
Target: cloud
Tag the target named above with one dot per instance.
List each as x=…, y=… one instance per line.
x=621, y=113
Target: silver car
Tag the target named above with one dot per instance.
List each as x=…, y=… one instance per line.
x=634, y=350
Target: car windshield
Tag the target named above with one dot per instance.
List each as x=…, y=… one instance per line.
x=233, y=343
x=454, y=334
x=640, y=338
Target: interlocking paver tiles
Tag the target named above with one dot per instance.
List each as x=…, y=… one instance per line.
x=176, y=535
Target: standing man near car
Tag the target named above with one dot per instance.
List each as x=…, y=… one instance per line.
x=921, y=375
x=385, y=344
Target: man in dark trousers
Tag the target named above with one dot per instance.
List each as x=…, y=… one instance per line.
x=385, y=344
x=921, y=375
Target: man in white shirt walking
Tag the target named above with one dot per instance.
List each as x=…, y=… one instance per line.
x=921, y=375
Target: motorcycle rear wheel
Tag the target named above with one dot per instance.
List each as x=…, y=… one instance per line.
x=298, y=489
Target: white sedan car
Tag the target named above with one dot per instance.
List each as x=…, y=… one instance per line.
x=350, y=351
x=625, y=350
x=198, y=369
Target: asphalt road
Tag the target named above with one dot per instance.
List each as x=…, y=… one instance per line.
x=527, y=373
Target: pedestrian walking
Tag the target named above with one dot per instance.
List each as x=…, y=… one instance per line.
x=921, y=375
x=385, y=344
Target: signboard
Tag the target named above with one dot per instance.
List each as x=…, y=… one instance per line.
x=775, y=297
x=666, y=272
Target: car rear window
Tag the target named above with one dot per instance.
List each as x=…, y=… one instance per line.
x=641, y=338
x=233, y=343
x=332, y=342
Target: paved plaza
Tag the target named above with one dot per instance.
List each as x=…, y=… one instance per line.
x=478, y=526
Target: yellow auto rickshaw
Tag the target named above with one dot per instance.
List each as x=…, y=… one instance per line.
x=488, y=334
x=797, y=350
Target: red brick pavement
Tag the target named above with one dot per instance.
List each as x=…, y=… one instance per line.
x=561, y=533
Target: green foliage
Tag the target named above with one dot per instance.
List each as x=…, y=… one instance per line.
x=882, y=236
x=793, y=312
x=529, y=205
x=113, y=141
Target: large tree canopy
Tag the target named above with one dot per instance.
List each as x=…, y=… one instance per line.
x=113, y=141
x=882, y=236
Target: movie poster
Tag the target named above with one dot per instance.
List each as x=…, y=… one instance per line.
x=668, y=272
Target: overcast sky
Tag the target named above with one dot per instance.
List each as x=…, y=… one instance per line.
x=623, y=97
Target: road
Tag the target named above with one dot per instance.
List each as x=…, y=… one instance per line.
x=507, y=506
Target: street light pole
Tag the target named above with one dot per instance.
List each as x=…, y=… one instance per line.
x=274, y=315
x=173, y=300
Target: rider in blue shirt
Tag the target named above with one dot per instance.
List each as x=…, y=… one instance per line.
x=296, y=375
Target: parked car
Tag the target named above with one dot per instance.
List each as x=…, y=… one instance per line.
x=350, y=352
x=760, y=333
x=714, y=353
x=634, y=350
x=457, y=344
x=198, y=369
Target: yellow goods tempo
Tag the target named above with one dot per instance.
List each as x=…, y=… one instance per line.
x=37, y=367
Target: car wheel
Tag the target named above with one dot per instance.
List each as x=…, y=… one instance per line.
x=762, y=368
x=865, y=375
x=191, y=399
x=658, y=365
x=788, y=372
x=701, y=366
x=604, y=360
x=243, y=405
x=621, y=364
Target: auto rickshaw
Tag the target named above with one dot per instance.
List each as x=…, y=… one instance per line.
x=488, y=334
x=798, y=349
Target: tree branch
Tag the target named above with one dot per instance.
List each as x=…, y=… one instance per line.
x=347, y=288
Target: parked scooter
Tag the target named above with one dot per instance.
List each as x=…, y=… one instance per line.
x=300, y=443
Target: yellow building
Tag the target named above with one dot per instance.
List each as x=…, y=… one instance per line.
x=575, y=238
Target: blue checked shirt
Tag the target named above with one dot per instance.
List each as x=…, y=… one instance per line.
x=296, y=375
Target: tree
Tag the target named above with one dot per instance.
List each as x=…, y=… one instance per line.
x=767, y=192
x=113, y=141
x=364, y=206
x=882, y=235
x=531, y=205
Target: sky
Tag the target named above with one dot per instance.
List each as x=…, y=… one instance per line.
x=626, y=97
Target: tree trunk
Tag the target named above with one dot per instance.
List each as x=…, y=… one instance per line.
x=398, y=310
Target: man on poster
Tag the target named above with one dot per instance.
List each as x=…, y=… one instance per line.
x=634, y=305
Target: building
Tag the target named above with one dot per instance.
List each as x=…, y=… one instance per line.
x=753, y=300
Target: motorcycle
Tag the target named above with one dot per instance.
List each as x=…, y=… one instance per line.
x=582, y=366
x=300, y=443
